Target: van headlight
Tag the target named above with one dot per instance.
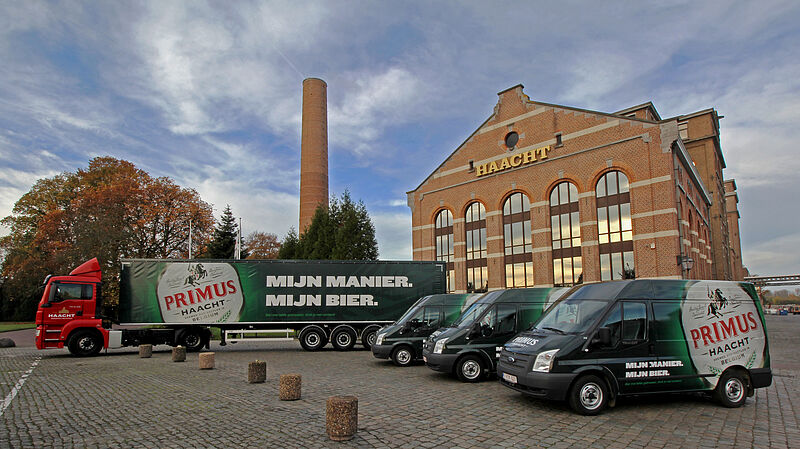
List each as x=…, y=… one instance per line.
x=544, y=361
x=437, y=349
x=379, y=339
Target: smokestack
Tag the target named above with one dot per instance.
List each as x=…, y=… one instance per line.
x=313, y=150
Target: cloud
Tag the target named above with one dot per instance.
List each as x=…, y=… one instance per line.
x=393, y=231
x=771, y=258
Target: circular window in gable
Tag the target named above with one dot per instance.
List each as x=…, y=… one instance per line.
x=512, y=139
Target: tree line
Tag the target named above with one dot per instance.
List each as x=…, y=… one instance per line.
x=113, y=210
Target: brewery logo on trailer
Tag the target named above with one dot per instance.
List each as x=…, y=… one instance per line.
x=199, y=293
x=722, y=328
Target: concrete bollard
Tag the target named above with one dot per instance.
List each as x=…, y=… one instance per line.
x=256, y=372
x=179, y=354
x=341, y=418
x=145, y=351
x=206, y=360
x=289, y=387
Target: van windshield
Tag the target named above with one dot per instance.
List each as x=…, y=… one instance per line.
x=472, y=314
x=406, y=316
x=476, y=310
x=571, y=316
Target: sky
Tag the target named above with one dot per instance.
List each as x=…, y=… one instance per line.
x=209, y=94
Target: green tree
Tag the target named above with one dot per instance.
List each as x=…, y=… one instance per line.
x=354, y=233
x=342, y=231
x=223, y=243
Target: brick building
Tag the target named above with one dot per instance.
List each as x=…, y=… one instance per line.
x=542, y=194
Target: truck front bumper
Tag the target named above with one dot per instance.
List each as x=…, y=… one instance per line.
x=553, y=386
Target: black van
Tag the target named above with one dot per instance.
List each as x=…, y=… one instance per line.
x=642, y=336
x=469, y=347
x=402, y=340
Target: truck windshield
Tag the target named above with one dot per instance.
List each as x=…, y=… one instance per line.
x=571, y=316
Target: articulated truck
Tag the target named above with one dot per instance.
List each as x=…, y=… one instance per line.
x=175, y=302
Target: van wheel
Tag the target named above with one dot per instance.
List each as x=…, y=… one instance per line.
x=85, y=343
x=589, y=395
x=402, y=356
x=313, y=338
x=343, y=338
x=731, y=389
x=470, y=369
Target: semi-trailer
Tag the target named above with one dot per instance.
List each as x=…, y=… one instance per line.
x=176, y=302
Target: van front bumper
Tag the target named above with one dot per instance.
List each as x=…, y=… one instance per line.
x=440, y=362
x=553, y=386
x=382, y=351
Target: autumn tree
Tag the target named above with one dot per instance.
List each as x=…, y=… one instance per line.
x=342, y=231
x=110, y=210
x=262, y=245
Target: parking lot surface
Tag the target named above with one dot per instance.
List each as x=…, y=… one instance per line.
x=119, y=400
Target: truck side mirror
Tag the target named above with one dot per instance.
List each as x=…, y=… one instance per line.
x=603, y=336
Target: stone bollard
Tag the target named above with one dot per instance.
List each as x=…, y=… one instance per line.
x=289, y=387
x=341, y=420
x=256, y=372
x=145, y=351
x=179, y=354
x=206, y=360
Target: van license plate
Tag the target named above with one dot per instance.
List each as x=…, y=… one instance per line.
x=509, y=378
x=424, y=359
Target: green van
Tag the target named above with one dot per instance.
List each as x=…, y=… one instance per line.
x=633, y=337
x=402, y=340
x=469, y=347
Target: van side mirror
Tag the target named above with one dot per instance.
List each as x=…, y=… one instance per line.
x=475, y=331
x=603, y=336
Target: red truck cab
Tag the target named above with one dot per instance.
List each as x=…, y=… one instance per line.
x=68, y=313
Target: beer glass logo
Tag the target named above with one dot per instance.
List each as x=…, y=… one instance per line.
x=199, y=293
x=722, y=328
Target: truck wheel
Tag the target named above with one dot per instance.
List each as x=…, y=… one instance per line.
x=85, y=343
x=731, y=389
x=192, y=339
x=589, y=395
x=343, y=338
x=368, y=337
x=313, y=338
x=470, y=369
x=402, y=356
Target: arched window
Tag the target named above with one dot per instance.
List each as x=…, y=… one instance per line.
x=517, y=234
x=475, y=225
x=565, y=226
x=615, y=233
x=443, y=231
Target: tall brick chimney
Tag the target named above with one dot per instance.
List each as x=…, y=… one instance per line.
x=313, y=150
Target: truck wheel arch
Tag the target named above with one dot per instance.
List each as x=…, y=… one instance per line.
x=77, y=333
x=318, y=330
x=341, y=329
x=200, y=333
